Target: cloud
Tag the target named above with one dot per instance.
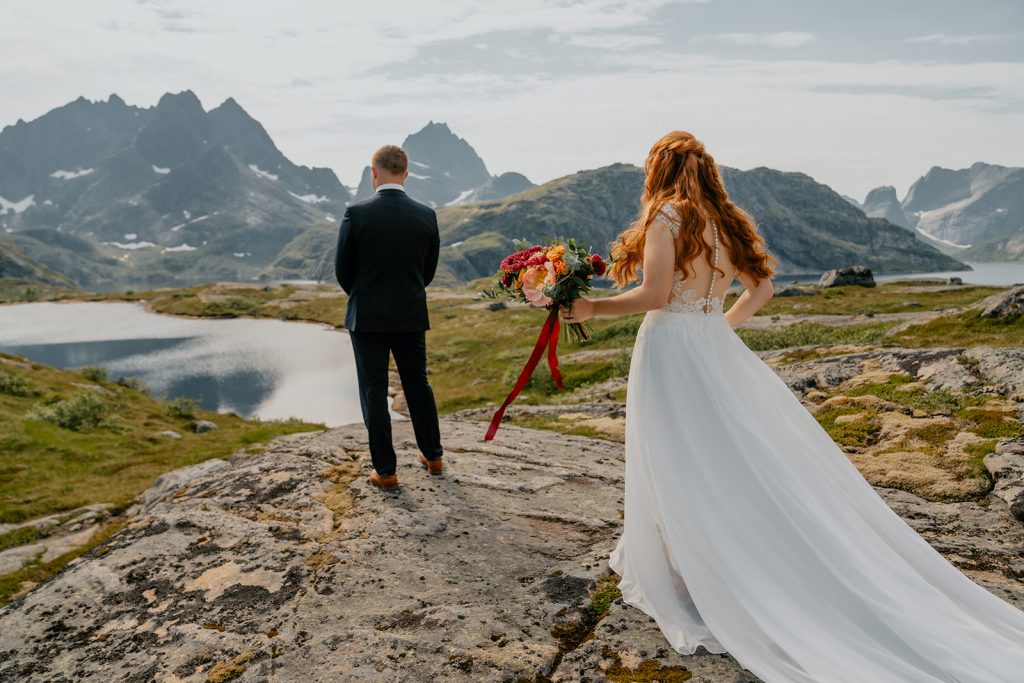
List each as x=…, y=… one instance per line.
x=780, y=39
x=610, y=41
x=548, y=88
x=946, y=39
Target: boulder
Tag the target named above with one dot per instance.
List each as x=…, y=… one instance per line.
x=856, y=275
x=1007, y=305
x=1007, y=468
x=201, y=426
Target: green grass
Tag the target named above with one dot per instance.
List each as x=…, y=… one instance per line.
x=54, y=460
x=13, y=290
x=887, y=298
x=962, y=329
x=808, y=334
x=977, y=452
x=20, y=536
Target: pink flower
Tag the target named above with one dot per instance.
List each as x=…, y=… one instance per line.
x=552, y=276
x=533, y=286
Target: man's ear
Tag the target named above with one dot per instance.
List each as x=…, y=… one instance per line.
x=405, y=176
x=373, y=172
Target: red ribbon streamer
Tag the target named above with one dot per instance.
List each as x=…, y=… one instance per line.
x=548, y=338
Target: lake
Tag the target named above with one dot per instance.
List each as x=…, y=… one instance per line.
x=268, y=369
x=997, y=274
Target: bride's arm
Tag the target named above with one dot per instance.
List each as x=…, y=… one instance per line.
x=755, y=295
x=652, y=292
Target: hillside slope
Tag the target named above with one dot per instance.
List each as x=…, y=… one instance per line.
x=807, y=226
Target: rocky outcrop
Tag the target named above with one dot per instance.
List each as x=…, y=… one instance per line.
x=288, y=566
x=1007, y=466
x=857, y=275
x=1006, y=305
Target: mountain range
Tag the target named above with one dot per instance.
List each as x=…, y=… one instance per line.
x=806, y=225
x=975, y=213
x=110, y=195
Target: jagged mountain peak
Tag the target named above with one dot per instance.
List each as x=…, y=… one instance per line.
x=230, y=105
x=433, y=127
x=186, y=97
x=443, y=167
x=882, y=192
x=882, y=202
x=187, y=185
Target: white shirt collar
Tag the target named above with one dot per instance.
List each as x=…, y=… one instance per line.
x=390, y=186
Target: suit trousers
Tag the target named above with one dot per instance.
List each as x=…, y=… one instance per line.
x=372, y=351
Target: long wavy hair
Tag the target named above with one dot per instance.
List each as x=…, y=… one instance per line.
x=681, y=173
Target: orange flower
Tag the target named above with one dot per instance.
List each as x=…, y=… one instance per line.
x=555, y=253
x=561, y=267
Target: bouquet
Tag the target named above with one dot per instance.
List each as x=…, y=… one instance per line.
x=546, y=276
x=549, y=276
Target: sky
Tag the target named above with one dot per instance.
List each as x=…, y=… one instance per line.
x=855, y=94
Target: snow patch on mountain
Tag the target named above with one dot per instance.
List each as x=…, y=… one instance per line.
x=130, y=246
x=18, y=206
x=309, y=198
x=461, y=198
x=260, y=172
x=68, y=175
x=184, y=246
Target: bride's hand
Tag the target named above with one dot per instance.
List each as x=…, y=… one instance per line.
x=582, y=309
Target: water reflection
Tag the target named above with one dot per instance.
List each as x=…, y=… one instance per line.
x=264, y=368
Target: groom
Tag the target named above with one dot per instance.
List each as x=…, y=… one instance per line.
x=386, y=256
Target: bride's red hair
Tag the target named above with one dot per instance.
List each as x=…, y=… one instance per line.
x=681, y=173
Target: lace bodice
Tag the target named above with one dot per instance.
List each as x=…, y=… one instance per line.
x=684, y=299
x=687, y=301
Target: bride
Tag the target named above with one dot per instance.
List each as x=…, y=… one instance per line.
x=747, y=529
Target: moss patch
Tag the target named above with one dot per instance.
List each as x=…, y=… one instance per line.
x=646, y=670
x=962, y=329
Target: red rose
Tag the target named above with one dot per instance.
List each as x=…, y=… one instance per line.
x=598, y=263
x=536, y=260
x=517, y=261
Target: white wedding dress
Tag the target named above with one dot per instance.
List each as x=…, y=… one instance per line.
x=748, y=530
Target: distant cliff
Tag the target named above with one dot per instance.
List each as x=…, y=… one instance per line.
x=976, y=213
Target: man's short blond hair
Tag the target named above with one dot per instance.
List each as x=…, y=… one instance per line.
x=391, y=158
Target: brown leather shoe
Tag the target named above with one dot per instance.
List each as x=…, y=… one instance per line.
x=385, y=482
x=435, y=467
